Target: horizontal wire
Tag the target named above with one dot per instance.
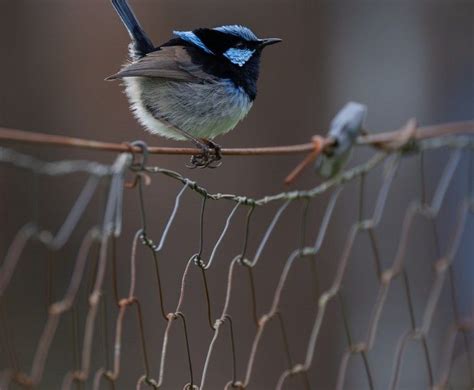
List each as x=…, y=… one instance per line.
x=378, y=140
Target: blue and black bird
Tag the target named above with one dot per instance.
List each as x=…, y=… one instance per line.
x=196, y=86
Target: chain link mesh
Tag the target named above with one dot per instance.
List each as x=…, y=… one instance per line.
x=104, y=326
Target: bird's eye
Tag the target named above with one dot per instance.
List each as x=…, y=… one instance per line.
x=240, y=45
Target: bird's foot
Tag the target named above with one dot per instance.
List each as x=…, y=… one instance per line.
x=209, y=157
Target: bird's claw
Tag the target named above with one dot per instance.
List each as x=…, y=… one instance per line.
x=209, y=157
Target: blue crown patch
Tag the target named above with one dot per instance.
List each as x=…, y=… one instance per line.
x=240, y=31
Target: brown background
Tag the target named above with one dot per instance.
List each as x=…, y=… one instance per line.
x=402, y=58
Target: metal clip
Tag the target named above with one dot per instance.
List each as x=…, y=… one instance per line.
x=344, y=129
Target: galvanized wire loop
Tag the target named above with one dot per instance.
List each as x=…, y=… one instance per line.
x=138, y=165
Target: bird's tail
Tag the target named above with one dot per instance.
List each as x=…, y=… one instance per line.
x=141, y=43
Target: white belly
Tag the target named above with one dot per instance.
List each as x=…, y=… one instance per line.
x=203, y=110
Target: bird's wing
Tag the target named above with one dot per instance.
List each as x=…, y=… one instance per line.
x=169, y=62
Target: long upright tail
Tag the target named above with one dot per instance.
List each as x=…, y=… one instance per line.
x=141, y=43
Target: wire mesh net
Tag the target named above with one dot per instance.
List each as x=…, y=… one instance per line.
x=363, y=281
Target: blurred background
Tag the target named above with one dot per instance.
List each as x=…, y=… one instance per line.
x=402, y=59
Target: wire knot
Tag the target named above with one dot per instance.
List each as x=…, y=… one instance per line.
x=246, y=201
x=148, y=241
x=198, y=261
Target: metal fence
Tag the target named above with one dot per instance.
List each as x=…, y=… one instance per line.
x=96, y=345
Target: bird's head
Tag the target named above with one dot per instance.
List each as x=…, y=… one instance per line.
x=236, y=44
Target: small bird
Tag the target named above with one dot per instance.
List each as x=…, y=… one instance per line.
x=194, y=87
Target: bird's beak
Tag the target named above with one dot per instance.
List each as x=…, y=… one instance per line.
x=269, y=41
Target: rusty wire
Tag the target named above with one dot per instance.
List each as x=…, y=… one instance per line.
x=390, y=139
x=221, y=323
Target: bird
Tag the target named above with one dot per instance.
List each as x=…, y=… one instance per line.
x=198, y=85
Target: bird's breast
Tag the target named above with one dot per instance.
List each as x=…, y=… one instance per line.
x=204, y=110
